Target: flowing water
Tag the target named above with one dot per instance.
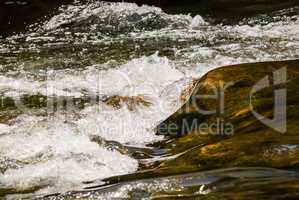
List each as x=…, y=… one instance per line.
x=57, y=131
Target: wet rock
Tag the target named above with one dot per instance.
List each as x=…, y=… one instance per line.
x=249, y=104
x=231, y=183
x=8, y=191
x=131, y=102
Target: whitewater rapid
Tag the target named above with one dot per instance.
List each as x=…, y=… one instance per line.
x=106, y=49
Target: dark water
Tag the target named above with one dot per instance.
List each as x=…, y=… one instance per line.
x=233, y=183
x=16, y=16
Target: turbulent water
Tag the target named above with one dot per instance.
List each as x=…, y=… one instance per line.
x=98, y=50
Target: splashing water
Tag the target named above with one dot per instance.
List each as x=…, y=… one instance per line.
x=102, y=50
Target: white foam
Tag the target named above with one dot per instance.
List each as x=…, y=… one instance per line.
x=153, y=77
x=123, y=14
x=197, y=21
x=131, y=79
x=242, y=44
x=58, y=152
x=55, y=154
x=4, y=128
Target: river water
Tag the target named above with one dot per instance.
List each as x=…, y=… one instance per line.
x=98, y=50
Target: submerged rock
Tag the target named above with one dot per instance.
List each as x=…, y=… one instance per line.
x=130, y=102
x=233, y=183
x=235, y=117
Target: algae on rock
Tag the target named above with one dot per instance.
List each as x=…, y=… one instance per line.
x=252, y=142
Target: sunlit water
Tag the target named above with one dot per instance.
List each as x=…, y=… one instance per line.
x=100, y=50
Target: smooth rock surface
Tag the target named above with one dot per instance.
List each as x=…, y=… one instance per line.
x=252, y=142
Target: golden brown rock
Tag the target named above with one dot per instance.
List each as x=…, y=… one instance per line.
x=252, y=142
x=130, y=102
